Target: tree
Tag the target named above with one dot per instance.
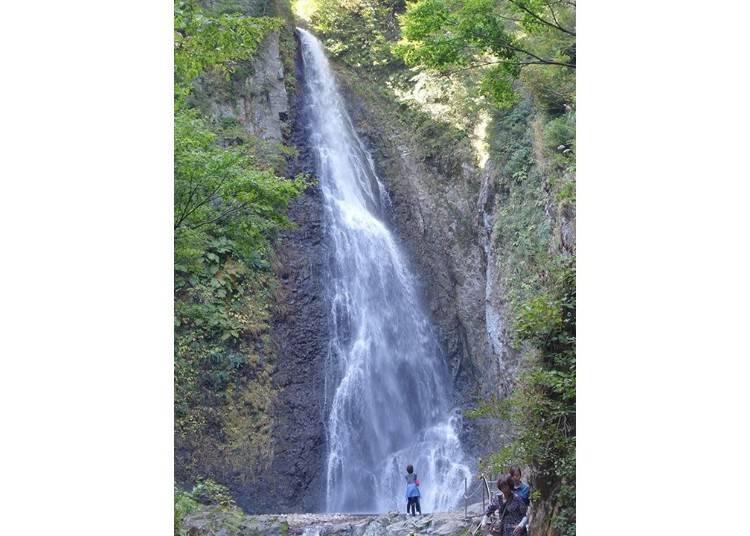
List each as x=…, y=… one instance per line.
x=204, y=41
x=359, y=32
x=220, y=190
x=501, y=37
x=228, y=205
x=542, y=408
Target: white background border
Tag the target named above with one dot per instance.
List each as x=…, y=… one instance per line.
x=86, y=382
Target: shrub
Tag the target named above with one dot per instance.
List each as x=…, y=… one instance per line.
x=208, y=492
x=542, y=405
x=560, y=133
x=184, y=505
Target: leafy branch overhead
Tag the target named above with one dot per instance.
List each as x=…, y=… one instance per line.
x=217, y=184
x=501, y=38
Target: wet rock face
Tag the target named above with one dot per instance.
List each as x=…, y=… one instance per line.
x=443, y=219
x=295, y=480
x=296, y=473
x=432, y=216
x=437, y=214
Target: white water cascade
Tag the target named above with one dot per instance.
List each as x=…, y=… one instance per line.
x=387, y=388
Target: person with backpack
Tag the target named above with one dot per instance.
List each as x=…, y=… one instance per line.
x=412, y=492
x=511, y=509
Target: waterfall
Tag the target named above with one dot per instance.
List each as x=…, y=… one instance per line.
x=388, y=398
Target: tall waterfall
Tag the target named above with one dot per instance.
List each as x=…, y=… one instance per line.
x=387, y=388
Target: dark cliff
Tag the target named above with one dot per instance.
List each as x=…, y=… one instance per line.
x=295, y=481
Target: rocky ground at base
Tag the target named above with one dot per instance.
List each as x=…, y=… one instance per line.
x=214, y=521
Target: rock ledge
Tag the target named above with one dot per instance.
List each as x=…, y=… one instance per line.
x=213, y=521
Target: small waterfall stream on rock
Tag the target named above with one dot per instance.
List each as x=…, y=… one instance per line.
x=388, y=397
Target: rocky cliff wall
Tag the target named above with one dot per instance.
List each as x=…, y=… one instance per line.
x=451, y=217
x=479, y=239
x=259, y=101
x=296, y=480
x=442, y=211
x=260, y=105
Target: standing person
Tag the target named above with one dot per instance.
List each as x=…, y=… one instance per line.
x=511, y=508
x=520, y=488
x=412, y=491
x=523, y=490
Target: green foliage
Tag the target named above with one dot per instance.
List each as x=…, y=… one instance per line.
x=441, y=145
x=359, y=32
x=522, y=229
x=566, y=195
x=184, y=505
x=497, y=85
x=560, y=134
x=552, y=89
x=542, y=407
x=360, y=36
x=508, y=35
x=424, y=39
x=560, y=143
x=539, y=288
x=226, y=208
x=206, y=42
x=222, y=189
x=205, y=492
x=229, y=205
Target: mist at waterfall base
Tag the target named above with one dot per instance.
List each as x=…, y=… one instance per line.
x=387, y=399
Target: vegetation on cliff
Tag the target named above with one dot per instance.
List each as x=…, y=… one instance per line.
x=525, y=53
x=514, y=62
x=542, y=406
x=229, y=203
x=205, y=492
x=444, y=66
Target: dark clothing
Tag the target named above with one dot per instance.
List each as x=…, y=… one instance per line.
x=511, y=513
x=412, y=506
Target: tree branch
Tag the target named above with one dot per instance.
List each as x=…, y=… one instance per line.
x=495, y=62
x=202, y=203
x=540, y=60
x=185, y=207
x=521, y=6
x=222, y=180
x=220, y=216
x=552, y=12
x=509, y=18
